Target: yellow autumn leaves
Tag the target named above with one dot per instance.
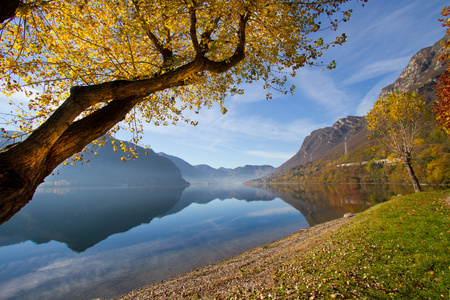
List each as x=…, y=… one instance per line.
x=397, y=113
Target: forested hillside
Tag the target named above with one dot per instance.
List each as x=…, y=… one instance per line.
x=373, y=164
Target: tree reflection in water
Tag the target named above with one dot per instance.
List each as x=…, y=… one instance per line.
x=320, y=203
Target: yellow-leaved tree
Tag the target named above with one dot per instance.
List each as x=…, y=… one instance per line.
x=85, y=66
x=397, y=120
x=442, y=105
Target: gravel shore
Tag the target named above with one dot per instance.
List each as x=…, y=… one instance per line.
x=251, y=270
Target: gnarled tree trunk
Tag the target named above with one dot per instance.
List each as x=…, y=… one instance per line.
x=25, y=165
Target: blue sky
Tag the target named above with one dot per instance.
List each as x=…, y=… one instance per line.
x=382, y=37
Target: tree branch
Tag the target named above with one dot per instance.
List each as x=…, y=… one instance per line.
x=239, y=54
x=193, y=30
x=8, y=9
x=165, y=52
x=91, y=127
x=56, y=129
x=119, y=89
x=45, y=136
x=206, y=36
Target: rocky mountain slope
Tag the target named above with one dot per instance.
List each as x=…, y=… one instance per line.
x=423, y=70
x=207, y=174
x=325, y=141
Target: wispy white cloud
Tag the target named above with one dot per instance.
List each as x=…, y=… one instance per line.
x=216, y=129
x=392, y=21
x=269, y=129
x=369, y=99
x=384, y=30
x=322, y=88
x=252, y=93
x=378, y=68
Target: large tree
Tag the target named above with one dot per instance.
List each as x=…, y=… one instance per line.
x=442, y=105
x=398, y=120
x=85, y=66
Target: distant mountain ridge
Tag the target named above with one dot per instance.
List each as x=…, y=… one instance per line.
x=152, y=169
x=420, y=75
x=107, y=169
x=206, y=174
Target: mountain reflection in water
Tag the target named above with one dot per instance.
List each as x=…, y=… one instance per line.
x=320, y=203
x=140, y=235
x=81, y=218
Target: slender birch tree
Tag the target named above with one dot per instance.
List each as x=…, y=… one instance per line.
x=397, y=120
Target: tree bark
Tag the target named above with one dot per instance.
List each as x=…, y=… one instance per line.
x=8, y=9
x=412, y=175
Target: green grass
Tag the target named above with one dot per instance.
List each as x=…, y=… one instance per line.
x=396, y=250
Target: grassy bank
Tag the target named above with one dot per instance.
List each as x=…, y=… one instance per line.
x=399, y=249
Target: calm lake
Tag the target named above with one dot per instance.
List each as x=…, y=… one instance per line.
x=103, y=242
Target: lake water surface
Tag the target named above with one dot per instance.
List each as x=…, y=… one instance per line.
x=103, y=242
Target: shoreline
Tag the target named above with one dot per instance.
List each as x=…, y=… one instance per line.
x=386, y=251
x=444, y=186
x=247, y=271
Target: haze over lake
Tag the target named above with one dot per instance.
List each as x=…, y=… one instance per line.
x=86, y=243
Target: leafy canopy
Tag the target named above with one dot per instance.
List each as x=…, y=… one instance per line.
x=442, y=105
x=51, y=47
x=397, y=119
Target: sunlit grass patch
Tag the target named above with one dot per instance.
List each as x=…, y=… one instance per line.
x=399, y=249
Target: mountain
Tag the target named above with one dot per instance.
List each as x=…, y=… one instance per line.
x=204, y=173
x=107, y=169
x=423, y=70
x=345, y=133
x=187, y=170
x=420, y=75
